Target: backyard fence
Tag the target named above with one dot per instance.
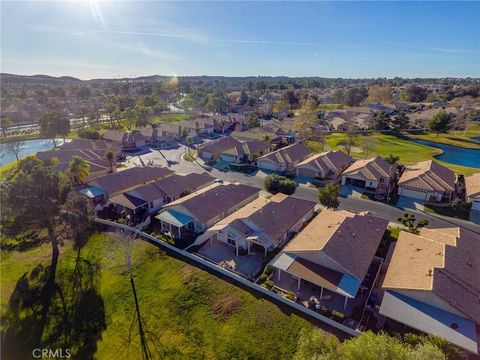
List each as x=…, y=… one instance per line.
x=238, y=279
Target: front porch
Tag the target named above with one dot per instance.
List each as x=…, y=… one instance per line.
x=225, y=255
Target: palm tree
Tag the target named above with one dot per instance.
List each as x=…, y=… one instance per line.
x=267, y=138
x=110, y=157
x=79, y=169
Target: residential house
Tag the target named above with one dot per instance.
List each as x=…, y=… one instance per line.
x=267, y=223
x=213, y=149
x=432, y=284
x=152, y=196
x=126, y=140
x=337, y=123
x=285, y=159
x=328, y=165
x=472, y=190
x=160, y=135
x=198, y=211
x=107, y=186
x=334, y=252
x=373, y=174
x=94, y=152
x=429, y=181
x=247, y=151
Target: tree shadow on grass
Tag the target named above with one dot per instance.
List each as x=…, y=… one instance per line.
x=75, y=317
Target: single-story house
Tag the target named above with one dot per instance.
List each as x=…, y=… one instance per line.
x=337, y=123
x=213, y=149
x=427, y=180
x=432, y=284
x=472, y=190
x=121, y=181
x=326, y=165
x=128, y=141
x=154, y=195
x=267, y=223
x=334, y=251
x=285, y=159
x=198, y=211
x=94, y=152
x=373, y=174
x=160, y=135
x=246, y=151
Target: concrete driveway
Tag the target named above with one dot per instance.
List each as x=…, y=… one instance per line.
x=351, y=191
x=407, y=203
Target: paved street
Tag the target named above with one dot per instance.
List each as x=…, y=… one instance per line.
x=172, y=158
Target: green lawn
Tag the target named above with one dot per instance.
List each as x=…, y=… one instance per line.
x=188, y=313
x=408, y=151
x=460, y=139
x=20, y=138
x=169, y=118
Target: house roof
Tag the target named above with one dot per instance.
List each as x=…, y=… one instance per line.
x=220, y=145
x=429, y=176
x=174, y=217
x=349, y=239
x=444, y=261
x=430, y=319
x=127, y=200
x=338, y=282
x=371, y=169
x=129, y=178
x=272, y=217
x=329, y=160
x=114, y=135
x=176, y=185
x=472, y=186
x=214, y=200
x=293, y=153
x=248, y=147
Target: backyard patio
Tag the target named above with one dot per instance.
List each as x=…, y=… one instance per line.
x=312, y=296
x=248, y=265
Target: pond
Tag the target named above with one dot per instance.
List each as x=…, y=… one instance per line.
x=27, y=147
x=454, y=154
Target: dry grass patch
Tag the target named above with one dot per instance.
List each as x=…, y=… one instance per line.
x=225, y=305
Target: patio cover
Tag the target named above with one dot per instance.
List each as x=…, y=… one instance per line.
x=174, y=218
x=340, y=283
x=91, y=192
x=127, y=201
x=430, y=319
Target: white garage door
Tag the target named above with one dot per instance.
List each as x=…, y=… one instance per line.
x=413, y=194
x=227, y=158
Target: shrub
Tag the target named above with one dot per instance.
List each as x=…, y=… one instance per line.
x=263, y=278
x=268, y=284
x=291, y=296
x=269, y=269
x=89, y=134
x=337, y=315
x=276, y=183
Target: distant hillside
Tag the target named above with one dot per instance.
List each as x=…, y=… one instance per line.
x=44, y=79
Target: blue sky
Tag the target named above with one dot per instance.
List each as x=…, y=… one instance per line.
x=90, y=39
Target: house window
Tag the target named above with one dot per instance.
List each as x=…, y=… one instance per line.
x=231, y=242
x=151, y=205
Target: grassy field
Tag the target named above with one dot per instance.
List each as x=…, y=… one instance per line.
x=169, y=118
x=460, y=139
x=188, y=313
x=409, y=152
x=20, y=138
